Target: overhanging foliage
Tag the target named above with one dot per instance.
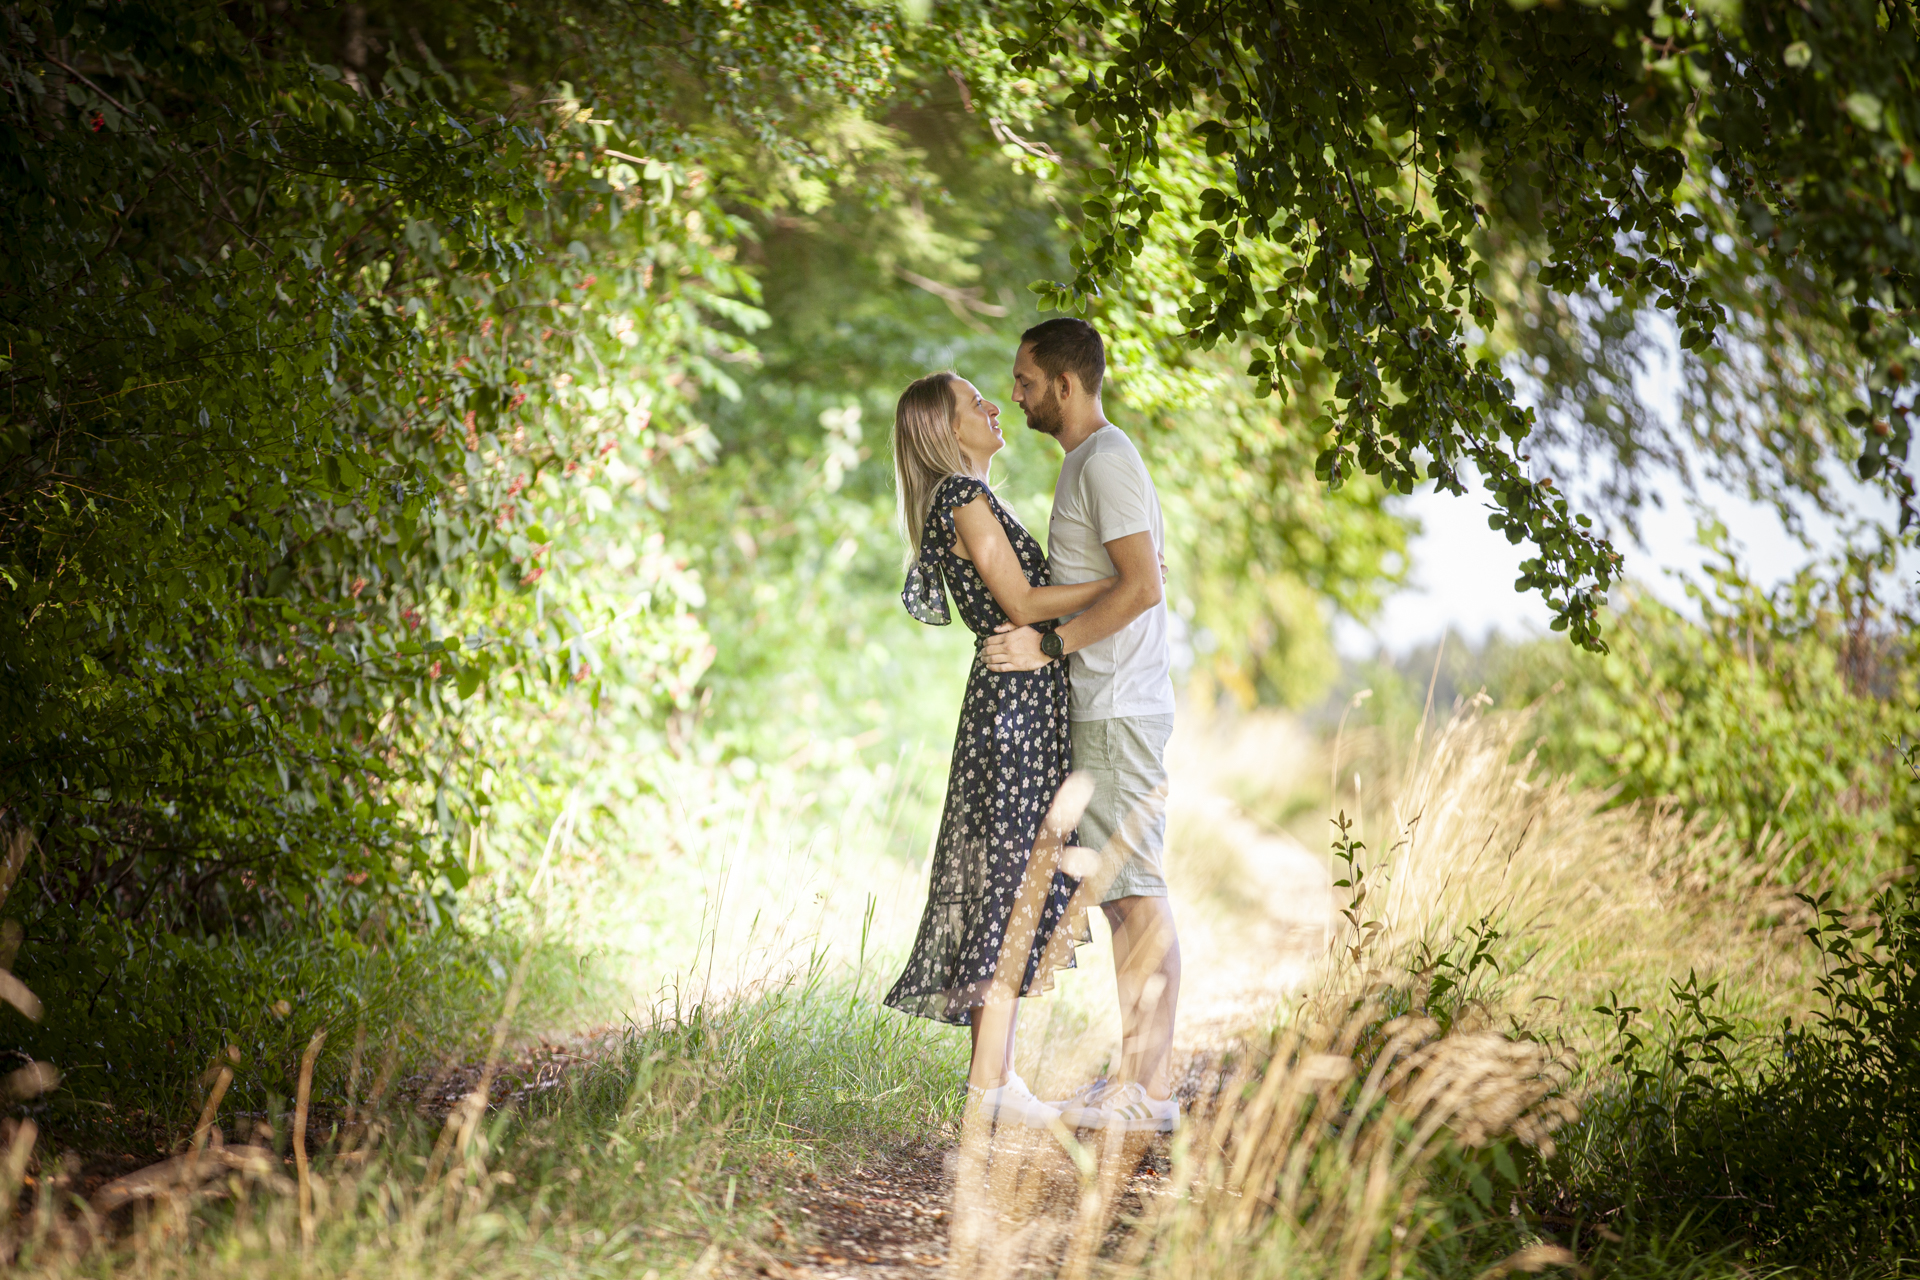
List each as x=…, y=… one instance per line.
x=1366, y=143
x=305, y=323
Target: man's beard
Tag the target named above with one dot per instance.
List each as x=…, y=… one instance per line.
x=1045, y=417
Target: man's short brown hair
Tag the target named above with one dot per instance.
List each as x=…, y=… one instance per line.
x=1066, y=345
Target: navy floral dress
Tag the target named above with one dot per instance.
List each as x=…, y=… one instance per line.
x=1010, y=756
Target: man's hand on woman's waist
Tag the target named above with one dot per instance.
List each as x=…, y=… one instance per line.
x=1140, y=588
x=1012, y=648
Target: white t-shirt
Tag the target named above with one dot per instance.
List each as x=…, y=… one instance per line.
x=1104, y=493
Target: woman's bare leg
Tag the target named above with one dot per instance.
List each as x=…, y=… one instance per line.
x=993, y=1026
x=993, y=1021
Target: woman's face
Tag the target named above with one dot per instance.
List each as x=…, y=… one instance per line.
x=976, y=421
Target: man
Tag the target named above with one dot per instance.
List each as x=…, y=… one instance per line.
x=1106, y=522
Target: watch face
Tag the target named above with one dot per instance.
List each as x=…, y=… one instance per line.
x=1051, y=645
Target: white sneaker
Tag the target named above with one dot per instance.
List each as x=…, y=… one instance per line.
x=1082, y=1096
x=1012, y=1102
x=1126, y=1106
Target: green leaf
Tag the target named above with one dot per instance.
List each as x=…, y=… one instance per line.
x=1865, y=108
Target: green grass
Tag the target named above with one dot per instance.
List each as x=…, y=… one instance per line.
x=680, y=1139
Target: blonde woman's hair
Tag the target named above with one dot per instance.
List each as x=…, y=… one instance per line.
x=925, y=451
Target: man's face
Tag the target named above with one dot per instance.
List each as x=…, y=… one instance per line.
x=1034, y=393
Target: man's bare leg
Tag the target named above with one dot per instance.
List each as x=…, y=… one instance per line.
x=992, y=1027
x=1146, y=969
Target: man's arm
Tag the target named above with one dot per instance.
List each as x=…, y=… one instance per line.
x=1138, y=590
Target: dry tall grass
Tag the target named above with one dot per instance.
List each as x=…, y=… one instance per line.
x=1462, y=826
x=1312, y=1149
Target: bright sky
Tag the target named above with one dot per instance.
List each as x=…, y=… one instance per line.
x=1463, y=572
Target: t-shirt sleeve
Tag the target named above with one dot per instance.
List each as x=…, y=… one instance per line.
x=1119, y=497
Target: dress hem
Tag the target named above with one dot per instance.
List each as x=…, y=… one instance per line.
x=939, y=998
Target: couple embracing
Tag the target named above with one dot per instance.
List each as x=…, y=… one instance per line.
x=1071, y=674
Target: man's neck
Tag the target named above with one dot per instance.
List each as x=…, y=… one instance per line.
x=1074, y=434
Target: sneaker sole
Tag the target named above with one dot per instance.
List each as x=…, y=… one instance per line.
x=1009, y=1116
x=1126, y=1124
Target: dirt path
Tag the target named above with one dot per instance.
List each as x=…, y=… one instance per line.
x=893, y=1219
x=1257, y=931
x=885, y=1220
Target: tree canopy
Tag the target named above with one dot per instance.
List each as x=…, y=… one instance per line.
x=309, y=341
x=1372, y=161
x=371, y=367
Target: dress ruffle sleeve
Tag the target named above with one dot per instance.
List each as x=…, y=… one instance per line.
x=925, y=594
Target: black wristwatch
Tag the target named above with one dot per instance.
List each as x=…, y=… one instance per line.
x=1052, y=645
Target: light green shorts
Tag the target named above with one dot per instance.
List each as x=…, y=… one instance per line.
x=1127, y=817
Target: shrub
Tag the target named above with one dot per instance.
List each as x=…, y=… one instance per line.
x=1804, y=1144
x=1774, y=715
x=132, y=1017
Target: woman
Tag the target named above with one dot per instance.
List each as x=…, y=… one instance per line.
x=1010, y=753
